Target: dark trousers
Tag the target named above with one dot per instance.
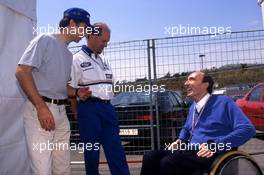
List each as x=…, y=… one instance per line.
x=179, y=162
x=98, y=124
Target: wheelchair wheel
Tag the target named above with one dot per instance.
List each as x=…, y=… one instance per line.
x=236, y=163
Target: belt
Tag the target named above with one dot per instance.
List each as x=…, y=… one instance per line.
x=95, y=99
x=55, y=101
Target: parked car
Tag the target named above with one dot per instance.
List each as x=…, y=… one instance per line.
x=236, y=97
x=136, y=119
x=252, y=104
x=234, y=90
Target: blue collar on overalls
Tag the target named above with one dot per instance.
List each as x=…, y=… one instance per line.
x=87, y=50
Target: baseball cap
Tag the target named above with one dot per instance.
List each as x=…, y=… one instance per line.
x=77, y=14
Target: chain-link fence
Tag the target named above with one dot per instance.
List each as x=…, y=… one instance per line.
x=149, y=84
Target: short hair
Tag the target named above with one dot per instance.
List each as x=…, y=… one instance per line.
x=102, y=26
x=208, y=79
x=64, y=22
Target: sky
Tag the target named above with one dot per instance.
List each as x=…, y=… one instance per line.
x=145, y=19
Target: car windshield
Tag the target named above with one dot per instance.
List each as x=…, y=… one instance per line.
x=131, y=98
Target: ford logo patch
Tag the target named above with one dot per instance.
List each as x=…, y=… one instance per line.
x=85, y=64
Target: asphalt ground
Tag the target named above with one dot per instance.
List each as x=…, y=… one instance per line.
x=254, y=146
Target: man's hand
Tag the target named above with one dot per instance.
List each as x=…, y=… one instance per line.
x=204, y=151
x=84, y=93
x=45, y=118
x=25, y=79
x=173, y=145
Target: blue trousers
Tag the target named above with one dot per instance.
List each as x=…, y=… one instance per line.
x=98, y=125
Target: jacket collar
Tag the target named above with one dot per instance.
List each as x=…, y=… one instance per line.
x=87, y=50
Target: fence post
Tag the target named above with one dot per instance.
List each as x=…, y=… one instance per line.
x=150, y=96
x=156, y=100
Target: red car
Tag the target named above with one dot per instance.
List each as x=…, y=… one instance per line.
x=252, y=104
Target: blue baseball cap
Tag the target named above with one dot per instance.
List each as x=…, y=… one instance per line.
x=77, y=14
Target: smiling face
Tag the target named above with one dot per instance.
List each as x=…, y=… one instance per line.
x=196, y=88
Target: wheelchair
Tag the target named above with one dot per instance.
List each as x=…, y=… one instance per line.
x=233, y=163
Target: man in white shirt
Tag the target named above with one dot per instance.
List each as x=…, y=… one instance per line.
x=97, y=119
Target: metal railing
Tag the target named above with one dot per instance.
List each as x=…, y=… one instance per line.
x=235, y=61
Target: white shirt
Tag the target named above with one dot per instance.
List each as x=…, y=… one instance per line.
x=93, y=72
x=200, y=104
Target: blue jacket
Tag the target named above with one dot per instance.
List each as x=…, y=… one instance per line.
x=221, y=122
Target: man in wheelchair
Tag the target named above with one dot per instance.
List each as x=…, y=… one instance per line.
x=214, y=125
